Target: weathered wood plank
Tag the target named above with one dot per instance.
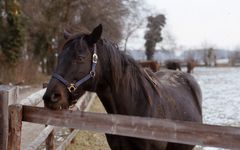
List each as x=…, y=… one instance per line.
x=3, y=120
x=8, y=95
x=34, y=99
x=11, y=93
x=49, y=140
x=84, y=101
x=48, y=135
x=89, y=101
x=40, y=138
x=15, y=127
x=68, y=140
x=148, y=128
x=50, y=143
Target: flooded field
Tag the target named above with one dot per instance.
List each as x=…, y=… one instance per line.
x=221, y=96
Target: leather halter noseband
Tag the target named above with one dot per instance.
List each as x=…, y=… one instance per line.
x=72, y=87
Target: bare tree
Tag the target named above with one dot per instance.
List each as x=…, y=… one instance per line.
x=209, y=56
x=48, y=18
x=169, y=41
x=134, y=20
x=235, y=57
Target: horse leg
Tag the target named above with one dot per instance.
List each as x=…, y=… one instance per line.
x=176, y=146
x=117, y=142
x=129, y=143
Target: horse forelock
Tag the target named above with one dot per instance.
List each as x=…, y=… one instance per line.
x=73, y=41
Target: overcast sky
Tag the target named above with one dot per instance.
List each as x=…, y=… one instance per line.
x=194, y=23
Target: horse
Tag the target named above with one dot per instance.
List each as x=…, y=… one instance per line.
x=153, y=65
x=191, y=65
x=173, y=65
x=88, y=62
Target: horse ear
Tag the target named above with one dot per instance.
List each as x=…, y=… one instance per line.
x=95, y=35
x=66, y=34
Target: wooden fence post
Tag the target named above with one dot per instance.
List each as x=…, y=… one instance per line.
x=3, y=120
x=8, y=95
x=50, y=144
x=15, y=127
x=73, y=140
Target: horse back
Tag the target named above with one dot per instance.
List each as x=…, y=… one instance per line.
x=181, y=95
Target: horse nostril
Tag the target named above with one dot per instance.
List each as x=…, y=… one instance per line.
x=55, y=97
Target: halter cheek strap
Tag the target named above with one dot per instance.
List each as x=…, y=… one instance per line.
x=72, y=87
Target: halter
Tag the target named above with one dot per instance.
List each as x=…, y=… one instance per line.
x=72, y=87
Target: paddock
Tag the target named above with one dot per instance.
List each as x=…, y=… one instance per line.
x=175, y=131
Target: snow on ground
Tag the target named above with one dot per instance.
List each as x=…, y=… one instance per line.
x=221, y=96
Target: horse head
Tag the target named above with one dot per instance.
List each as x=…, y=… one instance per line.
x=76, y=70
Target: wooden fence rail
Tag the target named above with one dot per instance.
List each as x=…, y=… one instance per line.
x=148, y=128
x=47, y=134
x=11, y=119
x=40, y=138
x=34, y=99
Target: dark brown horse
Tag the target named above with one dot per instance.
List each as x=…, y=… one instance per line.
x=89, y=63
x=173, y=65
x=191, y=64
x=153, y=65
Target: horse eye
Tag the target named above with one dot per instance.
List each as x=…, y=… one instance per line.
x=79, y=58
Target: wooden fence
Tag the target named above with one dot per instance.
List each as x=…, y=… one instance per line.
x=148, y=128
x=8, y=96
x=10, y=129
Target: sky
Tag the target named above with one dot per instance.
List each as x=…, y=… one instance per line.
x=197, y=23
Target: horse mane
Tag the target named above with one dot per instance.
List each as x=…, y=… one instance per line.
x=126, y=71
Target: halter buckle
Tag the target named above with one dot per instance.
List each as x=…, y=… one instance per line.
x=95, y=58
x=71, y=88
x=92, y=74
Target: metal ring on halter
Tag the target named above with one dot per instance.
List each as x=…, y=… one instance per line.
x=92, y=74
x=71, y=88
x=95, y=58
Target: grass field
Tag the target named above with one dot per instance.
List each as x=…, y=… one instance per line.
x=86, y=140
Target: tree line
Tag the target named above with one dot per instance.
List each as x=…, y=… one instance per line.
x=33, y=30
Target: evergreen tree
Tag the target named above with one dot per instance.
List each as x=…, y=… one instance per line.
x=12, y=38
x=1, y=23
x=153, y=35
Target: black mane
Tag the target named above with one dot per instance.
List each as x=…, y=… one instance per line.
x=125, y=71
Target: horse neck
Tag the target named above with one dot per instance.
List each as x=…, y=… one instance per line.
x=130, y=95
x=125, y=102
